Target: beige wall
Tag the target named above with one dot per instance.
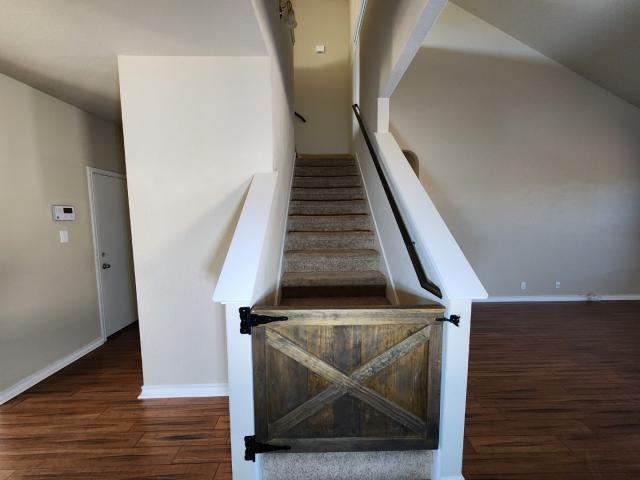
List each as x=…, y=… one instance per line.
x=535, y=170
x=322, y=81
x=191, y=149
x=280, y=49
x=386, y=31
x=48, y=293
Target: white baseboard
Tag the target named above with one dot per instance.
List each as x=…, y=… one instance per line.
x=558, y=298
x=47, y=371
x=184, y=391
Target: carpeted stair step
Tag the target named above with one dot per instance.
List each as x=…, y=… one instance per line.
x=326, y=182
x=357, y=239
x=408, y=465
x=333, y=284
x=334, y=302
x=345, y=193
x=328, y=223
x=324, y=162
x=331, y=260
x=335, y=171
x=327, y=207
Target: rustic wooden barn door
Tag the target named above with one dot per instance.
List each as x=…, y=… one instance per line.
x=348, y=379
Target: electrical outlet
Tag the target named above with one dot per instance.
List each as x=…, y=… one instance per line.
x=557, y=284
x=523, y=285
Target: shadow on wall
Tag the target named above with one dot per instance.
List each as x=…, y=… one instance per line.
x=413, y=160
x=533, y=168
x=323, y=97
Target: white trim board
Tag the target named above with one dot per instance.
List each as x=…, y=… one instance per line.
x=391, y=286
x=277, y=298
x=47, y=371
x=558, y=298
x=184, y=391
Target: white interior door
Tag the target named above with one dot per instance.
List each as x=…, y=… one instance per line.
x=113, y=245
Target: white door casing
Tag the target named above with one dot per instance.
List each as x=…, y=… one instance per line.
x=112, y=245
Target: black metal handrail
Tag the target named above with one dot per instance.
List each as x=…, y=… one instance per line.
x=304, y=120
x=408, y=242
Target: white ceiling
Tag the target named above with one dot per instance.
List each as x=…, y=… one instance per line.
x=69, y=48
x=598, y=39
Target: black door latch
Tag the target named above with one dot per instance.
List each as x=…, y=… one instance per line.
x=249, y=320
x=251, y=448
x=455, y=319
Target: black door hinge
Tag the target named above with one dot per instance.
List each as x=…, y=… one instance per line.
x=455, y=319
x=249, y=320
x=251, y=448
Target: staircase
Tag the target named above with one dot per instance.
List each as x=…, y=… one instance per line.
x=330, y=253
x=331, y=261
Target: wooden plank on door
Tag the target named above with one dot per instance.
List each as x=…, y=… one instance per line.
x=348, y=379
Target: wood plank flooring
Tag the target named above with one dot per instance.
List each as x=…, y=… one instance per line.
x=554, y=394
x=86, y=423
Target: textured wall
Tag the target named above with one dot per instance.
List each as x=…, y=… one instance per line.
x=534, y=169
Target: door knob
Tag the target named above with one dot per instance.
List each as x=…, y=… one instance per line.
x=106, y=265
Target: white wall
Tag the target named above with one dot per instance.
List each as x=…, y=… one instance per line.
x=322, y=81
x=534, y=169
x=279, y=46
x=391, y=33
x=48, y=294
x=196, y=130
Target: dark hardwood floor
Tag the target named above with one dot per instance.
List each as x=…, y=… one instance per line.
x=85, y=423
x=554, y=394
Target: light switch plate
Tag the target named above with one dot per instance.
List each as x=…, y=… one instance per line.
x=64, y=236
x=319, y=48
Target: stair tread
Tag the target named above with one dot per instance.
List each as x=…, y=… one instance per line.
x=319, y=240
x=325, y=201
x=368, y=277
x=334, y=188
x=305, y=156
x=336, y=162
x=329, y=302
x=330, y=233
x=327, y=176
x=334, y=251
x=326, y=170
x=325, y=215
x=318, y=181
x=329, y=222
x=332, y=193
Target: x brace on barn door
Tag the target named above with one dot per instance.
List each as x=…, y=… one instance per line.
x=343, y=384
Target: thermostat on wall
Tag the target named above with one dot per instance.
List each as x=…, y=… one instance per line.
x=64, y=213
